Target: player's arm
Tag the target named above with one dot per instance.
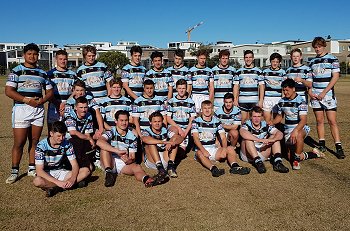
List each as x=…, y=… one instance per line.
x=223, y=139
x=12, y=93
x=103, y=143
x=278, y=135
x=235, y=94
x=261, y=94
x=100, y=122
x=74, y=173
x=335, y=77
x=198, y=143
x=278, y=119
x=298, y=128
x=230, y=126
x=41, y=173
x=211, y=91
x=150, y=140
x=128, y=90
x=248, y=136
x=188, y=129
x=170, y=92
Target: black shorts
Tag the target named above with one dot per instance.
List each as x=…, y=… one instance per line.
x=246, y=106
x=83, y=151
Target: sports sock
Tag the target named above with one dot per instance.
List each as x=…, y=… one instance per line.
x=257, y=159
x=159, y=165
x=31, y=167
x=234, y=165
x=213, y=168
x=310, y=155
x=108, y=169
x=171, y=164
x=338, y=146
x=15, y=170
x=277, y=157
x=145, y=178
x=322, y=143
x=297, y=157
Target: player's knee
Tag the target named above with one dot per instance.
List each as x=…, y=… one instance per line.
x=332, y=122
x=38, y=181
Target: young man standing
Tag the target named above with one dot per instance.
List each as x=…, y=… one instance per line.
x=179, y=71
x=24, y=85
x=50, y=157
x=181, y=113
x=294, y=109
x=273, y=77
x=94, y=74
x=160, y=153
x=202, y=81
x=230, y=117
x=114, y=102
x=248, y=86
x=62, y=81
x=259, y=141
x=118, y=148
x=163, y=82
x=145, y=105
x=133, y=74
x=301, y=74
x=205, y=130
x=325, y=68
x=223, y=78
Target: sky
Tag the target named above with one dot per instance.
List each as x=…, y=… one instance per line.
x=159, y=22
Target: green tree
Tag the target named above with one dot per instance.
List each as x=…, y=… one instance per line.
x=194, y=51
x=13, y=65
x=343, y=67
x=114, y=60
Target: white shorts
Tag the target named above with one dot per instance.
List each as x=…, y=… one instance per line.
x=245, y=158
x=198, y=99
x=270, y=104
x=118, y=164
x=23, y=116
x=59, y=174
x=288, y=132
x=326, y=103
x=151, y=165
x=212, y=153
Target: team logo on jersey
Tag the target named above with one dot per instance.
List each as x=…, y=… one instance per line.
x=11, y=77
x=30, y=84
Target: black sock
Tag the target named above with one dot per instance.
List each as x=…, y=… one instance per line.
x=322, y=143
x=15, y=169
x=108, y=169
x=257, y=159
x=145, y=178
x=338, y=146
x=310, y=155
x=171, y=164
x=213, y=168
x=277, y=157
x=234, y=165
x=159, y=166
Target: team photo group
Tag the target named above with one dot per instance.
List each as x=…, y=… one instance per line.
x=153, y=118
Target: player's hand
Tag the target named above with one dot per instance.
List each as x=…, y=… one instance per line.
x=206, y=153
x=235, y=102
x=124, y=158
x=70, y=182
x=32, y=102
x=260, y=104
x=293, y=136
x=61, y=184
x=313, y=96
x=132, y=156
x=181, y=132
x=61, y=108
x=121, y=152
x=97, y=134
x=321, y=95
x=92, y=142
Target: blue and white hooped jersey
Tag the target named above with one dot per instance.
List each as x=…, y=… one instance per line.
x=323, y=69
x=181, y=110
x=223, y=83
x=304, y=72
x=179, y=73
x=249, y=80
x=28, y=82
x=144, y=107
x=263, y=132
x=292, y=110
x=62, y=82
x=134, y=76
x=109, y=106
x=95, y=77
x=273, y=80
x=70, y=103
x=163, y=135
x=53, y=158
x=207, y=130
x=122, y=142
x=162, y=81
x=234, y=117
x=73, y=123
x=200, y=77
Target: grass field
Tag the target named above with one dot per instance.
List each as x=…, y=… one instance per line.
x=313, y=198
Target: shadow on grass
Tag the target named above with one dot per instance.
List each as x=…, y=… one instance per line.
x=314, y=144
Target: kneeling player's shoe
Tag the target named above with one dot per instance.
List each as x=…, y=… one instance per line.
x=12, y=178
x=240, y=170
x=31, y=172
x=296, y=165
x=340, y=153
x=279, y=167
x=110, y=179
x=161, y=177
x=260, y=167
x=216, y=172
x=172, y=172
x=150, y=182
x=82, y=184
x=319, y=153
x=50, y=192
x=322, y=148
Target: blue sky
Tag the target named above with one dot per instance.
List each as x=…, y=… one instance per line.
x=159, y=22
